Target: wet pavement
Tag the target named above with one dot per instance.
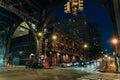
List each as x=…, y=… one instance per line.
x=56, y=73
x=41, y=74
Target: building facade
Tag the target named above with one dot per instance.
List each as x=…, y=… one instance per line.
x=94, y=40
x=21, y=48
x=77, y=28
x=62, y=49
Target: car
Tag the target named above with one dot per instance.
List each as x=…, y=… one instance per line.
x=82, y=63
x=76, y=64
x=66, y=64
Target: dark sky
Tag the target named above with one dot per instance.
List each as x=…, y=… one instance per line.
x=95, y=13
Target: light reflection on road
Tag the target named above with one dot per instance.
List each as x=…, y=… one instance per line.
x=93, y=68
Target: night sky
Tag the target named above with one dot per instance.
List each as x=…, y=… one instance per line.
x=95, y=13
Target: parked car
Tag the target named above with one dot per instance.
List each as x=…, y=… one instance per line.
x=66, y=64
x=76, y=63
x=82, y=63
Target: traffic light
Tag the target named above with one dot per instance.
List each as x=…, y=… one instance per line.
x=74, y=10
x=67, y=7
x=74, y=3
x=74, y=7
x=80, y=5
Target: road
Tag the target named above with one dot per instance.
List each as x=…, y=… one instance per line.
x=41, y=74
x=71, y=73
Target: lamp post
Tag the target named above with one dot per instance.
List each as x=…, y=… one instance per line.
x=85, y=46
x=115, y=42
x=40, y=34
x=40, y=38
x=54, y=37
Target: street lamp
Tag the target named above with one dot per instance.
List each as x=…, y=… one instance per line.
x=115, y=42
x=85, y=46
x=39, y=34
x=54, y=37
x=39, y=44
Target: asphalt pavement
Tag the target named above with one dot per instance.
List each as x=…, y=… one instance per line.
x=56, y=73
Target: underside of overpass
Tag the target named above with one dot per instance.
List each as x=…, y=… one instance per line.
x=19, y=13
x=18, y=16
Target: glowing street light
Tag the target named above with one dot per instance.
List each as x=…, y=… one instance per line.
x=39, y=45
x=85, y=45
x=115, y=42
x=54, y=37
x=40, y=34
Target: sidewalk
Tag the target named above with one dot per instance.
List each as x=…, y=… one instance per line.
x=11, y=68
